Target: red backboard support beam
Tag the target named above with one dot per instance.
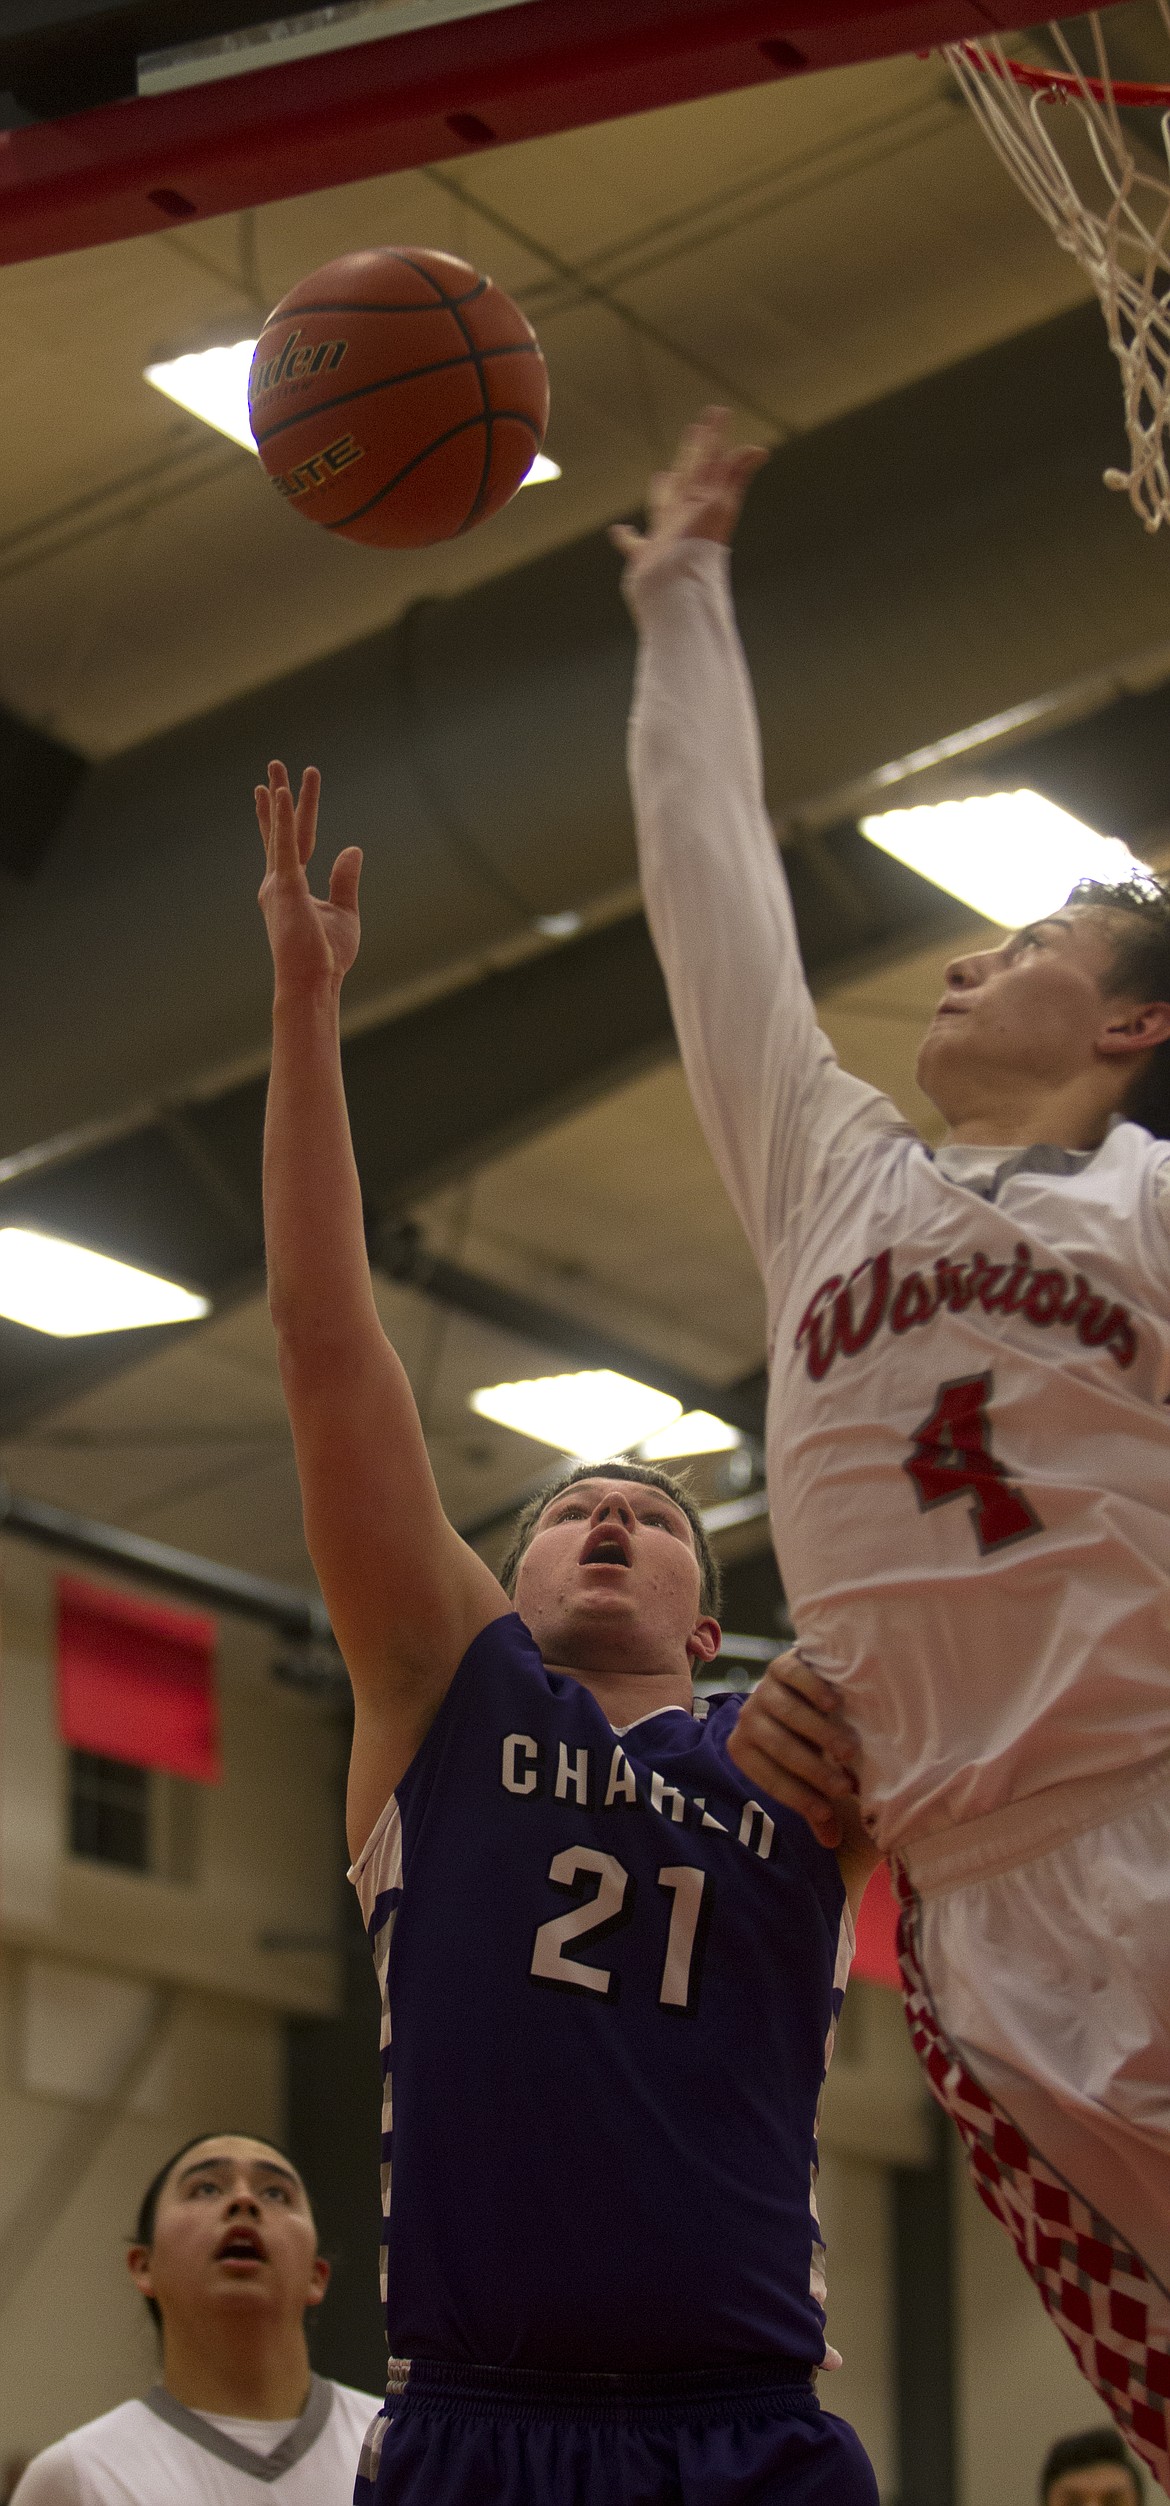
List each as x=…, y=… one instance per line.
x=408, y=100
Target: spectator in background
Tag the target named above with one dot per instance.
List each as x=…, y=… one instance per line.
x=1091, y=2470
x=225, y=2256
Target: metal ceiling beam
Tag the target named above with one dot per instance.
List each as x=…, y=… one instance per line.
x=299, y=1617
x=38, y=777
x=432, y=1095
x=402, y=1253
x=137, y=166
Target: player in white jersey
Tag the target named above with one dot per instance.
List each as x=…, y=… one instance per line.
x=226, y=2258
x=969, y=1459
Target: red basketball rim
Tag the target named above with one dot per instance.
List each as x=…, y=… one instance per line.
x=1132, y=91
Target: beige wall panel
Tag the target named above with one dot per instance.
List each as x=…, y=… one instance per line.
x=856, y=2215
x=270, y=1855
x=74, y=2339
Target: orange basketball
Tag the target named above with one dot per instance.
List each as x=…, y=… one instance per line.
x=397, y=397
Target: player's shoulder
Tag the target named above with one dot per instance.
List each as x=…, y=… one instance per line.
x=719, y=1711
x=59, y=2476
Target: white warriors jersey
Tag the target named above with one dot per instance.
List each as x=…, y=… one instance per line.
x=968, y=1449
x=158, y=2453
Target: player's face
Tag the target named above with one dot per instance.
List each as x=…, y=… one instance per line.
x=1102, y=2484
x=1029, y=1014
x=233, y=2234
x=611, y=1570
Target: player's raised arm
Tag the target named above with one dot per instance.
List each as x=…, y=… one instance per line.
x=405, y=1594
x=764, y=1079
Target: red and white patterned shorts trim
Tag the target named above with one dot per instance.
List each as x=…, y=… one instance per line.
x=1115, y=2318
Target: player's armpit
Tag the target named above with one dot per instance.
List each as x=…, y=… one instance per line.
x=792, y=1739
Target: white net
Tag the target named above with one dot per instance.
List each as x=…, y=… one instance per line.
x=1120, y=236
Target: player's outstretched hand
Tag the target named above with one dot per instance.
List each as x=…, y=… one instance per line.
x=793, y=1742
x=701, y=495
x=314, y=940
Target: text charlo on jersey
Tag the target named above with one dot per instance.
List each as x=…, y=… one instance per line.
x=523, y=1772
x=846, y=1314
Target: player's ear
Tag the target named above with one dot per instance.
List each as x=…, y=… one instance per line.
x=1134, y=1028
x=319, y=2280
x=138, y=2266
x=704, y=1640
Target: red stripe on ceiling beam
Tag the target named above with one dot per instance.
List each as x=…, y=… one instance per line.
x=407, y=100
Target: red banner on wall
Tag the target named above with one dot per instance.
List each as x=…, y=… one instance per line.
x=136, y=1682
x=875, y=1959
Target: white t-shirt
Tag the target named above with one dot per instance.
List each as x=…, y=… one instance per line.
x=156, y=2452
x=968, y=1448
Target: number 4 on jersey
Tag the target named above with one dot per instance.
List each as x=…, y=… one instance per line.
x=952, y=1457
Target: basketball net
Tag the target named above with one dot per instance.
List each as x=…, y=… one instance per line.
x=1123, y=245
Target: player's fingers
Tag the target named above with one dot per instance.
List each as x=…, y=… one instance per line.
x=797, y=1733
x=283, y=860
x=625, y=538
x=694, y=449
x=794, y=1754
x=798, y=1677
x=308, y=803
x=818, y=1813
x=795, y=1673
x=745, y=461
x=707, y=432
x=344, y=878
x=263, y=814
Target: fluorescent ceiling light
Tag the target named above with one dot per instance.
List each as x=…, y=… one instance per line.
x=1012, y=856
x=588, y=1415
x=212, y=383
x=53, y=1286
x=697, y=1431
x=563, y=926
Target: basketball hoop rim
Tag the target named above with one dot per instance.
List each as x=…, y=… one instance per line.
x=1063, y=83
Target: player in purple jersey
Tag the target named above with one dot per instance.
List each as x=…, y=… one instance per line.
x=610, y=1974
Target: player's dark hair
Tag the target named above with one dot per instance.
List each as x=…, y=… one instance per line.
x=1141, y=969
x=649, y=1475
x=1084, y=2453
x=148, y=2206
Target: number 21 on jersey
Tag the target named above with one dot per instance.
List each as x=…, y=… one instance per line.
x=611, y=1905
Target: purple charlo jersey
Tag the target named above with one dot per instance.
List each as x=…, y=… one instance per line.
x=610, y=1979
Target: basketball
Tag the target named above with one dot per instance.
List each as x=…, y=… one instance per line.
x=397, y=397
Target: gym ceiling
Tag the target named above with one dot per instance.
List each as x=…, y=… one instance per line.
x=838, y=257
